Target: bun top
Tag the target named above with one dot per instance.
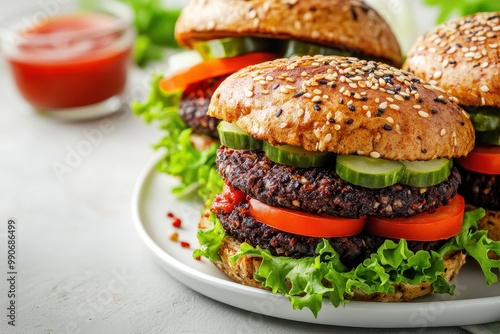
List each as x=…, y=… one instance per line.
x=341, y=24
x=462, y=57
x=344, y=105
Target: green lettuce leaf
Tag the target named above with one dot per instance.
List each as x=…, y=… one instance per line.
x=307, y=281
x=476, y=244
x=448, y=8
x=195, y=169
x=210, y=240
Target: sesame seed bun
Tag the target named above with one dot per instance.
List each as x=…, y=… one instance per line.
x=346, y=106
x=243, y=270
x=461, y=56
x=337, y=23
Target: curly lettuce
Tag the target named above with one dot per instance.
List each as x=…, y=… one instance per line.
x=307, y=281
x=195, y=169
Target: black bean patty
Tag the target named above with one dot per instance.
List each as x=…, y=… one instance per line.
x=194, y=104
x=480, y=189
x=352, y=250
x=321, y=190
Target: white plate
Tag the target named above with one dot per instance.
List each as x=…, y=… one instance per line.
x=474, y=302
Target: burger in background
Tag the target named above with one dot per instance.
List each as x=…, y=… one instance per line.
x=462, y=57
x=230, y=35
x=339, y=183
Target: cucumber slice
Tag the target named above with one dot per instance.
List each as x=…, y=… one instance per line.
x=233, y=137
x=426, y=173
x=484, y=118
x=295, y=156
x=368, y=172
x=299, y=48
x=488, y=137
x=232, y=46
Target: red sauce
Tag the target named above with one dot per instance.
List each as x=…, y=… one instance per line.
x=227, y=200
x=84, y=63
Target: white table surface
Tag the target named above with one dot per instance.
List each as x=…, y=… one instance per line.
x=81, y=265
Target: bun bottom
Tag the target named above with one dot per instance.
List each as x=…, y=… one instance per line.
x=242, y=271
x=491, y=223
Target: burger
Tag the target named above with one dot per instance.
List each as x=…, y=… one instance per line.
x=461, y=56
x=338, y=183
x=232, y=34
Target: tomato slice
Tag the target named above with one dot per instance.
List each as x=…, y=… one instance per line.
x=227, y=200
x=307, y=224
x=483, y=159
x=212, y=68
x=443, y=223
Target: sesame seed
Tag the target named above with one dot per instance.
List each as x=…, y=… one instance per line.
x=390, y=120
x=423, y=113
x=368, y=114
x=317, y=107
x=317, y=91
x=289, y=87
x=336, y=127
x=265, y=91
x=437, y=74
x=316, y=98
x=352, y=108
x=399, y=97
x=349, y=121
x=300, y=112
x=440, y=99
x=304, y=74
x=375, y=154
x=485, y=64
x=269, y=78
x=210, y=25
x=328, y=137
x=484, y=88
x=394, y=106
x=383, y=105
x=283, y=89
x=453, y=49
x=275, y=86
x=298, y=94
x=416, y=106
x=308, y=95
x=387, y=127
x=248, y=93
x=353, y=85
x=483, y=101
x=279, y=112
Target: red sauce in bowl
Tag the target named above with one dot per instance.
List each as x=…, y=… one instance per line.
x=72, y=60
